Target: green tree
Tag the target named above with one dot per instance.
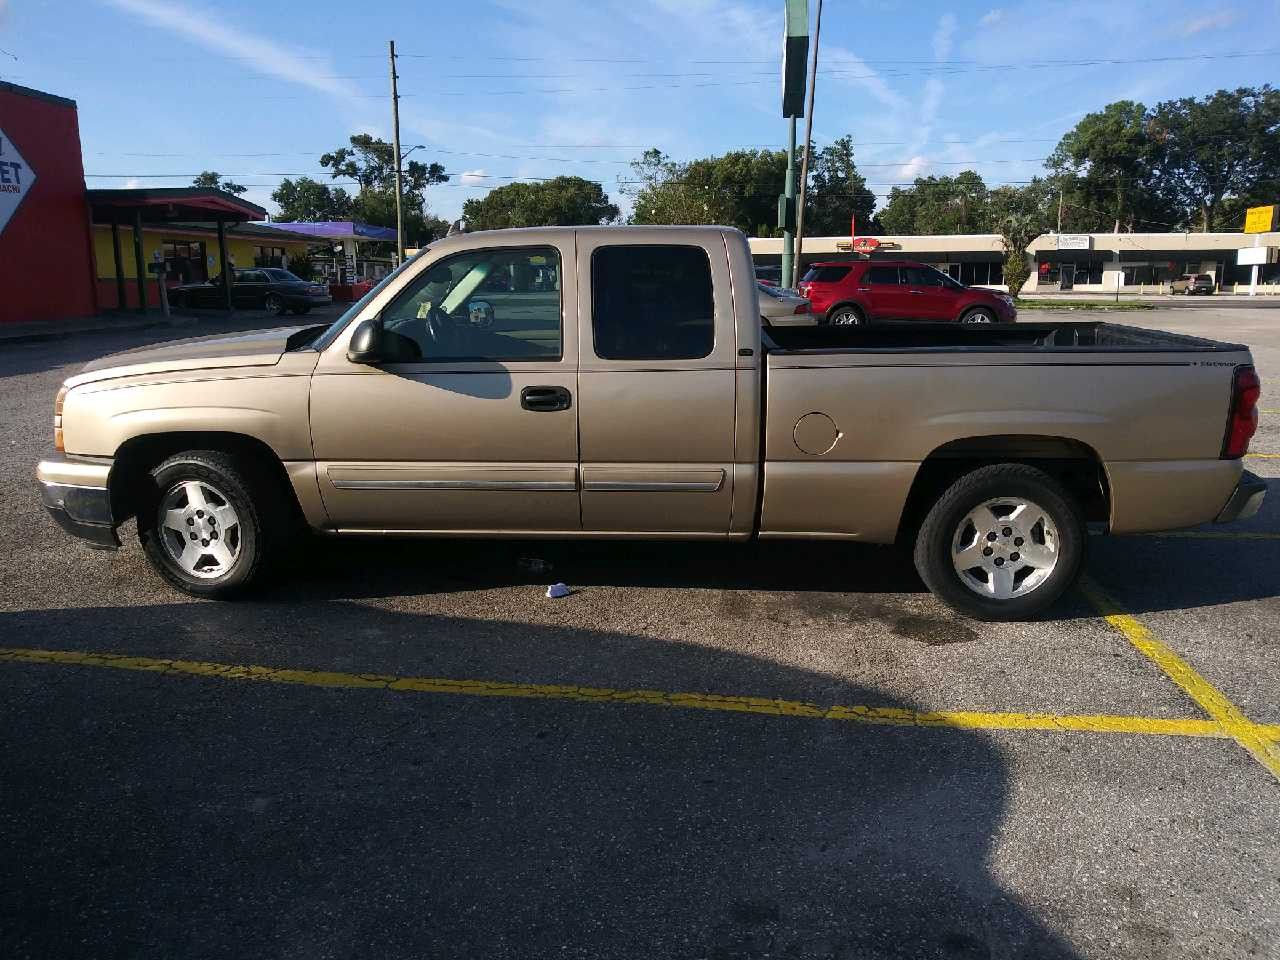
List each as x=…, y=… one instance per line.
x=837, y=191
x=212, y=180
x=1110, y=162
x=938, y=205
x=739, y=189
x=369, y=162
x=1020, y=214
x=1226, y=145
x=562, y=201
x=308, y=201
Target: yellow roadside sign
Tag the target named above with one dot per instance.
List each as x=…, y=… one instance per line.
x=1259, y=219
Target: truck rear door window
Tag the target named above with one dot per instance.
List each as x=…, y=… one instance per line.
x=652, y=303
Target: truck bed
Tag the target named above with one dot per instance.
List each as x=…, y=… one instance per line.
x=1067, y=337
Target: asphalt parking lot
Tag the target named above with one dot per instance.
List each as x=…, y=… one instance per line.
x=783, y=751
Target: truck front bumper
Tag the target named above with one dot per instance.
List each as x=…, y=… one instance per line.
x=76, y=494
x=1245, y=501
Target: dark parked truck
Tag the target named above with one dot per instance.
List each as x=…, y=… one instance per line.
x=617, y=384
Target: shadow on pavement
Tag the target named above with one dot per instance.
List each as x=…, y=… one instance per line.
x=350, y=568
x=157, y=816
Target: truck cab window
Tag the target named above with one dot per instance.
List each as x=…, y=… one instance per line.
x=483, y=305
x=652, y=303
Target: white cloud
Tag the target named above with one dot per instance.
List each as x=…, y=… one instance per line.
x=915, y=167
x=944, y=36
x=1215, y=21
x=206, y=28
x=473, y=178
x=992, y=17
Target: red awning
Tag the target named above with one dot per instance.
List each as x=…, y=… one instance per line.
x=168, y=204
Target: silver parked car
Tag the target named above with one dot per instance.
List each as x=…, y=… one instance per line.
x=784, y=308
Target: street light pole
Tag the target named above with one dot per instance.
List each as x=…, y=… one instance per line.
x=788, y=238
x=808, y=143
x=395, y=138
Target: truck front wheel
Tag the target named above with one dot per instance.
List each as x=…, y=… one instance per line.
x=1002, y=543
x=202, y=526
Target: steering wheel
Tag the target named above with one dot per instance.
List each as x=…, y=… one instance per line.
x=439, y=328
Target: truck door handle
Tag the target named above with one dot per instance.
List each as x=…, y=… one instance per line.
x=545, y=398
x=917, y=293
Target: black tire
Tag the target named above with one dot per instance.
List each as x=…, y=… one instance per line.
x=846, y=315
x=978, y=315
x=262, y=512
x=274, y=304
x=934, y=542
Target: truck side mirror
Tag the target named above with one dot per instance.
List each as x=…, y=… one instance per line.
x=366, y=343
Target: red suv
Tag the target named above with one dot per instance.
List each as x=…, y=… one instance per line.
x=862, y=291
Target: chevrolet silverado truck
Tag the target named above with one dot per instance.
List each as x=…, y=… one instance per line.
x=616, y=382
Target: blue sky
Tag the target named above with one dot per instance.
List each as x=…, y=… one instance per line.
x=499, y=90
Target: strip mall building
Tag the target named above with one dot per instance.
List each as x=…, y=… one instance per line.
x=69, y=252
x=1081, y=263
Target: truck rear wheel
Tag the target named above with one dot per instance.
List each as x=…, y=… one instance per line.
x=1002, y=543
x=204, y=525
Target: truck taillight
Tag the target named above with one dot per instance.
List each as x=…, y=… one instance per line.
x=1242, y=422
x=57, y=418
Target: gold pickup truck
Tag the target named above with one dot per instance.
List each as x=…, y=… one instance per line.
x=616, y=382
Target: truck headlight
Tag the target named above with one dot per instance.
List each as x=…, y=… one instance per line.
x=57, y=417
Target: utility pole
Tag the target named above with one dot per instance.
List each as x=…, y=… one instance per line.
x=789, y=192
x=795, y=64
x=1059, y=209
x=395, y=139
x=808, y=143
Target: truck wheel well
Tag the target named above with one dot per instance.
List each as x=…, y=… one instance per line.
x=136, y=458
x=1075, y=465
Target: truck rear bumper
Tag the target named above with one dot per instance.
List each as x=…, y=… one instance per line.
x=76, y=495
x=1245, y=501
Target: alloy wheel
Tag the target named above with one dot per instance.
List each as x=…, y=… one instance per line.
x=1005, y=548
x=200, y=529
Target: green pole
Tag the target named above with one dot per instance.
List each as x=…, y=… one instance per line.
x=788, y=235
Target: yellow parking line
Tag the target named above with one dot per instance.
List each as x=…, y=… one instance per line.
x=879, y=716
x=1263, y=456
x=1251, y=736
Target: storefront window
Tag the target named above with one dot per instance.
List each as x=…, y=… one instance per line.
x=184, y=261
x=268, y=256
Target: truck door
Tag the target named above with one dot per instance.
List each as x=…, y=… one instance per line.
x=477, y=433
x=656, y=383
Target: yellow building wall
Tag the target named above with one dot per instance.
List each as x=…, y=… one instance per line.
x=239, y=249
